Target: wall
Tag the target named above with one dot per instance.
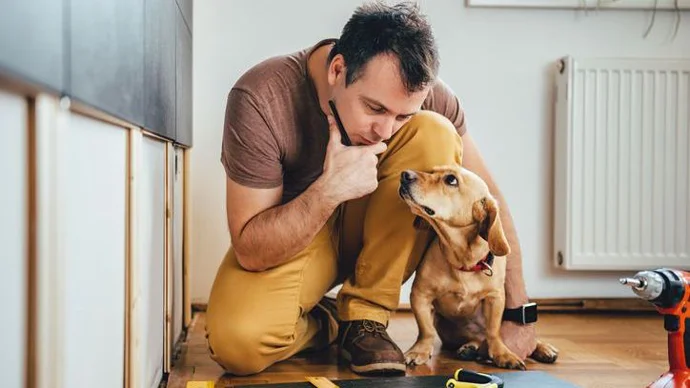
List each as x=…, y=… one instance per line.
x=494, y=59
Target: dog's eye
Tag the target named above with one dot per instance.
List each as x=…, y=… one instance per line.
x=451, y=180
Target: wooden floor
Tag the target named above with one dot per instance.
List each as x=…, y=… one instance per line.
x=596, y=350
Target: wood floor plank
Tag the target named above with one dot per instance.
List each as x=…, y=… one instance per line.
x=596, y=350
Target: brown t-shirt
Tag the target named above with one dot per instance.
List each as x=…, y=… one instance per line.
x=275, y=132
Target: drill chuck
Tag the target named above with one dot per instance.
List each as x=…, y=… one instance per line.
x=647, y=285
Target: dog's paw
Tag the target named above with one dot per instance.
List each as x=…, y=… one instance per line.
x=545, y=353
x=508, y=360
x=419, y=354
x=468, y=352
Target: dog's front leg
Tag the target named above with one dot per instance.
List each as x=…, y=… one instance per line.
x=421, y=351
x=498, y=351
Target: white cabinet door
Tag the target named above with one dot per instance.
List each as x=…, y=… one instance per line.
x=13, y=239
x=92, y=185
x=177, y=246
x=149, y=260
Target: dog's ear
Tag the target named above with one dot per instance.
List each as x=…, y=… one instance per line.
x=491, y=228
x=421, y=224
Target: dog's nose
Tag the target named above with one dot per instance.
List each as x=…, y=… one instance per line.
x=408, y=176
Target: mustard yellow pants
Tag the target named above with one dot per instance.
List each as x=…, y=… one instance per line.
x=369, y=245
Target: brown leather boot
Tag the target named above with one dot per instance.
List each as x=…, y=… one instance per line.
x=369, y=349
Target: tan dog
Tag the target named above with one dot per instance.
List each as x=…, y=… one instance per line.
x=455, y=276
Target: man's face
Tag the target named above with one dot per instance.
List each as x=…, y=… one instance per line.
x=376, y=105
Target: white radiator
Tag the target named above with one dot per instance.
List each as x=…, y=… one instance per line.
x=622, y=175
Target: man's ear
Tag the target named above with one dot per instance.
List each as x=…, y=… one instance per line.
x=336, y=69
x=491, y=229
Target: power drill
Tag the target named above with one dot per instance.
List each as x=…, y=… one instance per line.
x=669, y=291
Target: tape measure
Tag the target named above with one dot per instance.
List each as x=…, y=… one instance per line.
x=200, y=384
x=321, y=382
x=469, y=379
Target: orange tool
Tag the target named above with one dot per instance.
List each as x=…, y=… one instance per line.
x=669, y=291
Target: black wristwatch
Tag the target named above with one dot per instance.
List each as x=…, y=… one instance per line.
x=527, y=313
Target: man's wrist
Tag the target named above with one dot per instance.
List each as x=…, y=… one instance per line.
x=321, y=193
x=515, y=291
x=516, y=302
x=516, y=295
x=523, y=315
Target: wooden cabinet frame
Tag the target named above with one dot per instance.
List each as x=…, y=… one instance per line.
x=48, y=115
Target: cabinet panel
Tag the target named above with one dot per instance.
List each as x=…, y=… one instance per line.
x=187, y=8
x=149, y=263
x=48, y=126
x=92, y=173
x=13, y=238
x=159, y=67
x=177, y=236
x=107, y=56
x=35, y=54
x=184, y=84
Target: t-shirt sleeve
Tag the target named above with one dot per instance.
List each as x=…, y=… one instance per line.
x=250, y=152
x=442, y=100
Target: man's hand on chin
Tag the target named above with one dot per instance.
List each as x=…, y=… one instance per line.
x=521, y=339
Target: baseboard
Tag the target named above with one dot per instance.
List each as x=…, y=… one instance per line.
x=557, y=305
x=584, y=304
x=594, y=304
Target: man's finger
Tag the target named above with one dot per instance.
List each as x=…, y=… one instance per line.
x=377, y=148
x=333, y=130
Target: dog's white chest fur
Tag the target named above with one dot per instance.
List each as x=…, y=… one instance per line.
x=456, y=293
x=462, y=298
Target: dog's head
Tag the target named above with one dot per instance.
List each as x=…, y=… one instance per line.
x=455, y=201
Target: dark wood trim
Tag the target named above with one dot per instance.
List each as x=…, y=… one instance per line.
x=594, y=304
x=132, y=373
x=557, y=305
x=32, y=248
x=585, y=304
x=82, y=109
x=16, y=84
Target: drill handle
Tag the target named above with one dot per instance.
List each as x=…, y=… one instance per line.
x=677, y=324
x=679, y=350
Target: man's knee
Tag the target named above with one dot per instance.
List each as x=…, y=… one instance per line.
x=428, y=118
x=430, y=135
x=433, y=129
x=239, y=347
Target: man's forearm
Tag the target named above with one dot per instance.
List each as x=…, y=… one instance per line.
x=277, y=234
x=516, y=293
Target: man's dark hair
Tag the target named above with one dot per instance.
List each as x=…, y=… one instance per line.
x=401, y=30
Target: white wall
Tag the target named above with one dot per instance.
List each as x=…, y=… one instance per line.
x=494, y=59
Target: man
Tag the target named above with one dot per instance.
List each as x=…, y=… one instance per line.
x=306, y=212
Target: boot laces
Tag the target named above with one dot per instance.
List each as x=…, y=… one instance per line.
x=373, y=327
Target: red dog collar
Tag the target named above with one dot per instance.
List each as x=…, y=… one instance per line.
x=483, y=265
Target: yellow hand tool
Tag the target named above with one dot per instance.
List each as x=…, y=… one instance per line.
x=321, y=382
x=200, y=384
x=470, y=379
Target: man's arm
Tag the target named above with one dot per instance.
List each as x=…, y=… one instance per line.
x=516, y=294
x=520, y=339
x=264, y=234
